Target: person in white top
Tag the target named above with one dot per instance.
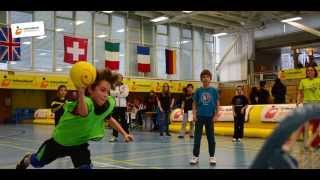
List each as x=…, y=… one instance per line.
x=120, y=92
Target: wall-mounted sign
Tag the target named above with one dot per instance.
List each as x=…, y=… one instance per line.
x=27, y=29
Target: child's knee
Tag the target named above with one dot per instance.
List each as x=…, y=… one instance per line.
x=35, y=162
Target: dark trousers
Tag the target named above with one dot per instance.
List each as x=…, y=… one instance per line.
x=57, y=116
x=155, y=123
x=238, y=126
x=50, y=150
x=119, y=113
x=207, y=122
x=164, y=122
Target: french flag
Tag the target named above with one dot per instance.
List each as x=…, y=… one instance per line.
x=143, y=59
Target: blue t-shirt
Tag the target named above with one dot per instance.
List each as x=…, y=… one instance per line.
x=206, y=101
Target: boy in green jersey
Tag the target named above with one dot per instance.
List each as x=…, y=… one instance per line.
x=82, y=120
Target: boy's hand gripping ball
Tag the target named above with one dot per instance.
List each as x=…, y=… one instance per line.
x=82, y=74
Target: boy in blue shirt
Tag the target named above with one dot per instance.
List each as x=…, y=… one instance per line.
x=204, y=108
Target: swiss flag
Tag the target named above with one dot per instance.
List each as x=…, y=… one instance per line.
x=75, y=49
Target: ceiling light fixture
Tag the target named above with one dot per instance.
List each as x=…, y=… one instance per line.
x=158, y=19
x=291, y=19
x=220, y=34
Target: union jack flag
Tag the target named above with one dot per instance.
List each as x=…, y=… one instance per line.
x=9, y=47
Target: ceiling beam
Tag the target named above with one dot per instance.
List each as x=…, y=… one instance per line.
x=214, y=21
x=292, y=39
x=202, y=24
x=149, y=14
x=305, y=28
x=226, y=16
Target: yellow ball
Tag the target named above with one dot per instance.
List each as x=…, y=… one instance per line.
x=83, y=74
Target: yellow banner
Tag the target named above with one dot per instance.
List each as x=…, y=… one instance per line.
x=145, y=85
x=52, y=82
x=20, y=80
x=177, y=86
x=138, y=85
x=294, y=73
x=10, y=80
x=157, y=85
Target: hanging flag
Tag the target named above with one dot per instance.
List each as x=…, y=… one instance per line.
x=112, y=55
x=75, y=49
x=143, y=59
x=170, y=61
x=9, y=47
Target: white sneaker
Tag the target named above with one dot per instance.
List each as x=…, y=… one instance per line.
x=239, y=140
x=212, y=160
x=234, y=140
x=194, y=160
x=113, y=139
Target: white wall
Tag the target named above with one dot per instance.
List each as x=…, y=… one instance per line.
x=234, y=66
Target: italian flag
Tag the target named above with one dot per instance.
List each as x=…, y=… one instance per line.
x=143, y=59
x=112, y=55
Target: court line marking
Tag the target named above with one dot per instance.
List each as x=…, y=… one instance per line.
x=119, y=161
x=126, y=162
x=18, y=147
x=110, y=155
x=177, y=153
x=169, y=147
x=102, y=164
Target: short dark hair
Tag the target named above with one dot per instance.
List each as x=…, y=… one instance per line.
x=61, y=86
x=315, y=71
x=105, y=74
x=262, y=83
x=189, y=85
x=240, y=86
x=184, y=90
x=205, y=72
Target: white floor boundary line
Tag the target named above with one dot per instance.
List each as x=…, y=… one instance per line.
x=101, y=164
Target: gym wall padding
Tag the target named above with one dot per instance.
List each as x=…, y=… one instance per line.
x=28, y=99
x=254, y=127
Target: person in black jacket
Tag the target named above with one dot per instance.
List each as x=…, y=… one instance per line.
x=151, y=106
x=187, y=109
x=57, y=103
x=239, y=104
x=165, y=104
x=263, y=94
x=254, y=95
x=278, y=92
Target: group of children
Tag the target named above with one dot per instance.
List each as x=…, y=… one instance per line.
x=83, y=120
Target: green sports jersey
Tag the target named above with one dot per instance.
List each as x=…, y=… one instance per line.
x=311, y=90
x=75, y=130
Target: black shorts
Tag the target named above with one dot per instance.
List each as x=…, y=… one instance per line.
x=50, y=150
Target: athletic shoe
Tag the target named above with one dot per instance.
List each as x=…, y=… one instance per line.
x=239, y=140
x=212, y=161
x=22, y=164
x=113, y=139
x=194, y=160
x=191, y=136
x=234, y=140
